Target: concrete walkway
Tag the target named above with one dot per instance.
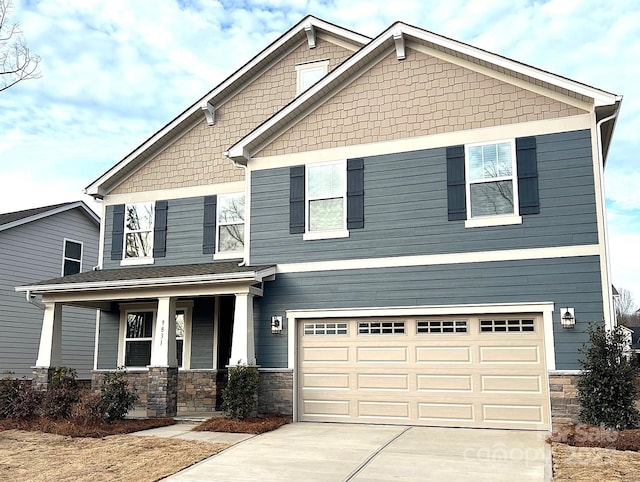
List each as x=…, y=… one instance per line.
x=350, y=452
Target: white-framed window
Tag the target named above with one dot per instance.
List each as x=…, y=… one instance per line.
x=309, y=73
x=326, y=329
x=492, y=183
x=230, y=225
x=138, y=338
x=137, y=323
x=326, y=200
x=441, y=326
x=71, y=257
x=381, y=327
x=138, y=231
x=507, y=326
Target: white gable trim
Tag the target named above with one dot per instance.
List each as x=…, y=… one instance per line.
x=397, y=33
x=217, y=95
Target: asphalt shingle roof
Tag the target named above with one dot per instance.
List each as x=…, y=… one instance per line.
x=153, y=272
x=7, y=218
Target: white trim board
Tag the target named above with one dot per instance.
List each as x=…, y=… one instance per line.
x=440, y=259
x=483, y=134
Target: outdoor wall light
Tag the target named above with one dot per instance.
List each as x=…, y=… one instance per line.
x=567, y=317
x=276, y=324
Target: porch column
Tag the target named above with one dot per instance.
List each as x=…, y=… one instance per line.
x=242, y=343
x=50, y=349
x=162, y=392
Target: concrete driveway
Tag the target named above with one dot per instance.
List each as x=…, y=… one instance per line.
x=350, y=452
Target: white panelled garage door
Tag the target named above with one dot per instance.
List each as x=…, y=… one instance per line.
x=484, y=371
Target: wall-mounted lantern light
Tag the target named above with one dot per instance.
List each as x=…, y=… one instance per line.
x=567, y=317
x=276, y=324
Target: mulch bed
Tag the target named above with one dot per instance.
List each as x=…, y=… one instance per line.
x=75, y=428
x=594, y=436
x=255, y=425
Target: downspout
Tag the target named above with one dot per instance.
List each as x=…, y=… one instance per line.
x=612, y=317
x=33, y=301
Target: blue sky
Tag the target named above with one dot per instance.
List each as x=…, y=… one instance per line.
x=115, y=71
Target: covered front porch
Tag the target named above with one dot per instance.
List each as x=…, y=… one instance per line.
x=174, y=329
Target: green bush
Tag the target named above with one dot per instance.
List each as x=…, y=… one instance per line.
x=240, y=397
x=116, y=396
x=607, y=389
x=64, y=377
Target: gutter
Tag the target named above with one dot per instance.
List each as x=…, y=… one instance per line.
x=609, y=293
x=31, y=299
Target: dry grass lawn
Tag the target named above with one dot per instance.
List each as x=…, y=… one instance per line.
x=589, y=464
x=37, y=456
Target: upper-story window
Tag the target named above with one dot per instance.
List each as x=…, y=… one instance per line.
x=326, y=197
x=326, y=200
x=72, y=257
x=309, y=73
x=138, y=230
x=230, y=217
x=491, y=181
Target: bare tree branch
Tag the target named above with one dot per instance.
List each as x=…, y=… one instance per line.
x=17, y=62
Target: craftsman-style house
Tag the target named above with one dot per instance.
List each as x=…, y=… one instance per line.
x=404, y=229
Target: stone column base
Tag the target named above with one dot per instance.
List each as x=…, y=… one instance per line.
x=162, y=392
x=41, y=378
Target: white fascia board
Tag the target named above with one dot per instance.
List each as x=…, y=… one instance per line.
x=93, y=189
x=138, y=283
x=78, y=204
x=241, y=151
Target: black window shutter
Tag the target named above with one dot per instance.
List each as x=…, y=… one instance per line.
x=209, y=232
x=117, y=232
x=527, y=162
x=456, y=188
x=296, y=200
x=160, y=229
x=355, y=193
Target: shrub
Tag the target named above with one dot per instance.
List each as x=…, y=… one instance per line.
x=117, y=397
x=607, y=389
x=88, y=408
x=59, y=402
x=64, y=377
x=240, y=397
x=18, y=400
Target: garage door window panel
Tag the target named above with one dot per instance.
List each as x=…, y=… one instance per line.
x=507, y=326
x=381, y=328
x=326, y=329
x=441, y=326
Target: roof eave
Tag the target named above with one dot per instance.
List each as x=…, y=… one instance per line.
x=73, y=205
x=243, y=277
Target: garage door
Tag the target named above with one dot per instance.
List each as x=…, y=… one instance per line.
x=484, y=371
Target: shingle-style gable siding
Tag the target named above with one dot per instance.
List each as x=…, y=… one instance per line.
x=32, y=252
x=405, y=206
x=421, y=95
x=197, y=157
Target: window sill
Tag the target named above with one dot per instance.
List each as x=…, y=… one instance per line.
x=235, y=255
x=136, y=261
x=336, y=233
x=492, y=221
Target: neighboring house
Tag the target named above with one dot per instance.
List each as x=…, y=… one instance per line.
x=405, y=229
x=47, y=241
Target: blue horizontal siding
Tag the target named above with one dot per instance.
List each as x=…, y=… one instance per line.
x=571, y=282
x=406, y=209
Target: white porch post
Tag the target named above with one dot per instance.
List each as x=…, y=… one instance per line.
x=242, y=343
x=163, y=351
x=50, y=350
